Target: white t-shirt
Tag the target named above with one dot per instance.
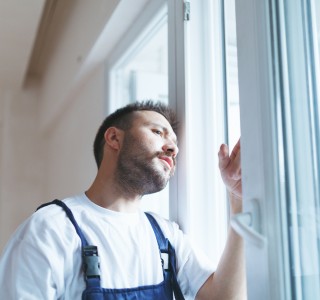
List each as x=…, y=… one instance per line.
x=43, y=260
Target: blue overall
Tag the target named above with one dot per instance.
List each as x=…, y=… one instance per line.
x=91, y=268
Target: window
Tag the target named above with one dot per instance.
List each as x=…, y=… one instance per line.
x=301, y=137
x=142, y=73
x=231, y=65
x=279, y=98
x=261, y=57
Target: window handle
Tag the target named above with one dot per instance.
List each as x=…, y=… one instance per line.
x=243, y=224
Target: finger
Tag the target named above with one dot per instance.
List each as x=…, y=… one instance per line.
x=223, y=155
x=235, y=167
x=235, y=150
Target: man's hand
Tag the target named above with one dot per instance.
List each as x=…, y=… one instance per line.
x=230, y=168
x=228, y=281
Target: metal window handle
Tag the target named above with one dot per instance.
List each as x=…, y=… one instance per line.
x=243, y=225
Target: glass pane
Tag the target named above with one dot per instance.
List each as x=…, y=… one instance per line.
x=301, y=140
x=141, y=76
x=144, y=74
x=232, y=88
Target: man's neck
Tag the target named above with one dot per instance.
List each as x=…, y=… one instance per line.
x=107, y=194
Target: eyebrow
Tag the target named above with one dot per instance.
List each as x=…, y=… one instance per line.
x=165, y=129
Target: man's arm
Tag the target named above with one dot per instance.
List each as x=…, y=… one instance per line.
x=228, y=282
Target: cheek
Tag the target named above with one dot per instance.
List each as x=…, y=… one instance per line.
x=150, y=141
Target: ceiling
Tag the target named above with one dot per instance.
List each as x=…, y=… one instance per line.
x=26, y=36
x=18, y=30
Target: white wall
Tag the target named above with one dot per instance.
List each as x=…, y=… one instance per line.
x=69, y=161
x=21, y=164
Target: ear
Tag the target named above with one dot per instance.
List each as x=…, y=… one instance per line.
x=113, y=137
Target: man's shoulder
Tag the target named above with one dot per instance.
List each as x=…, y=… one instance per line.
x=46, y=223
x=50, y=211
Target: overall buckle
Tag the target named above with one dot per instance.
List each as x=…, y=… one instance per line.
x=91, y=261
x=165, y=260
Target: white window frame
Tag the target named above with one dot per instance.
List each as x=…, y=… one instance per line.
x=196, y=83
x=259, y=151
x=263, y=224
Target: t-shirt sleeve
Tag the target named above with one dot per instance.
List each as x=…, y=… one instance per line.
x=25, y=273
x=32, y=264
x=193, y=265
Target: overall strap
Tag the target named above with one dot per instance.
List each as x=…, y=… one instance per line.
x=90, y=258
x=166, y=247
x=162, y=241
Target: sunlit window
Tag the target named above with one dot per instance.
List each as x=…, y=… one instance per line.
x=144, y=75
x=232, y=88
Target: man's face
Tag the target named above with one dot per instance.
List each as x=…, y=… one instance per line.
x=148, y=155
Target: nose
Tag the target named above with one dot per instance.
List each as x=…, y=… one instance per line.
x=170, y=148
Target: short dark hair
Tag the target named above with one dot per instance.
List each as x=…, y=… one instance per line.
x=122, y=119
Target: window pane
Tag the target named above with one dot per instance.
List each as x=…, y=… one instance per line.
x=144, y=73
x=301, y=141
x=233, y=110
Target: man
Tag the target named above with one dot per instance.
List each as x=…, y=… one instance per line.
x=99, y=245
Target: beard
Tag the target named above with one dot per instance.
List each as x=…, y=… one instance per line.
x=137, y=171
